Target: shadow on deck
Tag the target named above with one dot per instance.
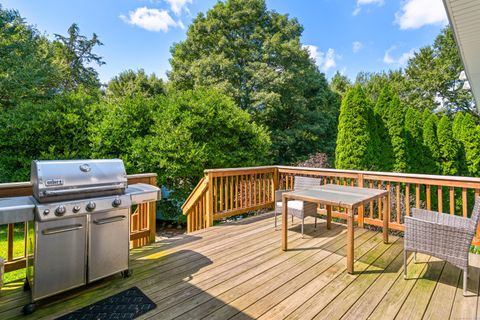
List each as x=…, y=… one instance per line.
x=238, y=271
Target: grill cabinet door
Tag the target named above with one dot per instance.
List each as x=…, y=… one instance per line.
x=60, y=256
x=109, y=242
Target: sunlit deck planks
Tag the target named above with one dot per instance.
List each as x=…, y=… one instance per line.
x=238, y=271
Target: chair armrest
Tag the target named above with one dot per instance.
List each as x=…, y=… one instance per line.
x=278, y=195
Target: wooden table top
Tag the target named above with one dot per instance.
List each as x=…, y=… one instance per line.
x=336, y=195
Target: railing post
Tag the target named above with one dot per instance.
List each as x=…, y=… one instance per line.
x=361, y=209
x=152, y=210
x=275, y=179
x=209, y=204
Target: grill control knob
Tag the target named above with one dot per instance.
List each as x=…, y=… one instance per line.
x=91, y=206
x=76, y=209
x=60, y=211
x=117, y=202
x=46, y=212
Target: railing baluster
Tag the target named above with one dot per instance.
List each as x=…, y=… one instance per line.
x=452, y=200
x=231, y=192
x=398, y=202
x=440, y=198
x=429, y=202
x=464, y=202
x=417, y=195
x=407, y=199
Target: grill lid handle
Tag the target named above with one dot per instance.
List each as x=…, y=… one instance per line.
x=86, y=189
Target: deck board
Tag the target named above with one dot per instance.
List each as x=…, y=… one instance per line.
x=237, y=271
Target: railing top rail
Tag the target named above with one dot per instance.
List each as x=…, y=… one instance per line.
x=238, y=169
x=366, y=174
x=387, y=174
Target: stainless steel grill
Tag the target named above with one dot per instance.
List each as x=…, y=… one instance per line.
x=80, y=228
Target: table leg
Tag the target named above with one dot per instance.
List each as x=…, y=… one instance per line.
x=329, y=217
x=350, y=243
x=386, y=219
x=284, y=222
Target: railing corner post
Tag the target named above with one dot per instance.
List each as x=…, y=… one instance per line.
x=209, y=204
x=276, y=179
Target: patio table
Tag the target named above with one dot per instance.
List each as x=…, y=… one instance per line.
x=345, y=197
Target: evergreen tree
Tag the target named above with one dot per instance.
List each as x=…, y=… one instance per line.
x=357, y=137
x=392, y=137
x=414, y=141
x=430, y=142
x=470, y=138
x=448, y=147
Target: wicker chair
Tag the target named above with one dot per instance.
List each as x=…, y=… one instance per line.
x=444, y=236
x=296, y=208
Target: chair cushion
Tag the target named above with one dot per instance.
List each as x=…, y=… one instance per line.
x=292, y=204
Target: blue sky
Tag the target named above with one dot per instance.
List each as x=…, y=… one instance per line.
x=345, y=35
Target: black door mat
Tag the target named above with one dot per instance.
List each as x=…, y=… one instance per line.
x=127, y=304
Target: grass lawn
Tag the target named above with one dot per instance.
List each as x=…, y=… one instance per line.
x=18, y=250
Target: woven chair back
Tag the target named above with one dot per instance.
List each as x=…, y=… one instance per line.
x=302, y=183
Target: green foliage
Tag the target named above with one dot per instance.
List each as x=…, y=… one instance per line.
x=130, y=83
x=357, y=136
x=430, y=141
x=392, y=138
x=179, y=135
x=434, y=71
x=467, y=133
x=373, y=83
x=416, y=150
x=26, y=69
x=255, y=56
x=448, y=147
x=55, y=129
x=73, y=55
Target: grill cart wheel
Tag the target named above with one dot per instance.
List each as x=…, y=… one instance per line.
x=126, y=273
x=29, y=308
x=26, y=285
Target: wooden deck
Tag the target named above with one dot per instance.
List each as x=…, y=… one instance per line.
x=237, y=271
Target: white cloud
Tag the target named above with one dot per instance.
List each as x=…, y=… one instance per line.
x=357, y=46
x=325, y=61
x=405, y=57
x=178, y=5
x=151, y=19
x=415, y=14
x=401, y=60
x=361, y=3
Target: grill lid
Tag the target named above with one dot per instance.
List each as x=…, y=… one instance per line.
x=57, y=180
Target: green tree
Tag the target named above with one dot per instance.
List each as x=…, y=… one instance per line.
x=415, y=149
x=432, y=77
x=467, y=133
x=255, y=56
x=53, y=129
x=448, y=147
x=392, y=138
x=373, y=83
x=430, y=141
x=357, y=137
x=130, y=83
x=74, y=56
x=200, y=129
x=340, y=84
x=26, y=69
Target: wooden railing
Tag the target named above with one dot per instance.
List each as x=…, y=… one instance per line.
x=230, y=192
x=142, y=223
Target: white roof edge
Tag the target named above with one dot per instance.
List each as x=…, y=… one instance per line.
x=467, y=65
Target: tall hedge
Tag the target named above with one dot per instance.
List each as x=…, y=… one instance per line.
x=467, y=133
x=448, y=148
x=415, y=149
x=430, y=142
x=357, y=138
x=389, y=110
